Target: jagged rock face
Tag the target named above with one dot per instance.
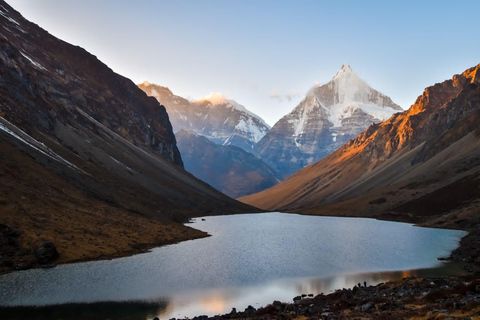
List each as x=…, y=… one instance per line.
x=46, y=81
x=325, y=120
x=221, y=120
x=228, y=169
x=430, y=147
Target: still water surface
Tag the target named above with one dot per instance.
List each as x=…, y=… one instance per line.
x=249, y=259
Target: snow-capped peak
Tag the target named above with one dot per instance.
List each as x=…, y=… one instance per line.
x=218, y=99
x=346, y=67
x=215, y=117
x=345, y=94
x=345, y=72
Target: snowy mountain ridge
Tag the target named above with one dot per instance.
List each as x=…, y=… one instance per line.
x=218, y=99
x=221, y=120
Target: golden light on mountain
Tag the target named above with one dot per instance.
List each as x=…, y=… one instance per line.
x=214, y=98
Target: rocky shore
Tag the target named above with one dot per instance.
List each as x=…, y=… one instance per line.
x=409, y=298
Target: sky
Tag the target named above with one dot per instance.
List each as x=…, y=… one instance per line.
x=266, y=55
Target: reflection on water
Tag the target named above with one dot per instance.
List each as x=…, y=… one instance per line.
x=248, y=260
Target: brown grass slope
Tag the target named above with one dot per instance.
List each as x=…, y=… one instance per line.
x=432, y=145
x=87, y=160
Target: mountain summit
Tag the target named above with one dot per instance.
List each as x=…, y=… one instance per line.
x=324, y=120
x=219, y=119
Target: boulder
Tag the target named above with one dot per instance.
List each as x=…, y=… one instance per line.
x=367, y=306
x=46, y=253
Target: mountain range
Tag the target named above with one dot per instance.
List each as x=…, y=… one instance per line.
x=221, y=120
x=420, y=165
x=325, y=119
x=216, y=137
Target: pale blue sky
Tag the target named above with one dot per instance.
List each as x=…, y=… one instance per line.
x=248, y=50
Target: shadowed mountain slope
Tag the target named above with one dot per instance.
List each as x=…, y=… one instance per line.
x=228, y=169
x=88, y=161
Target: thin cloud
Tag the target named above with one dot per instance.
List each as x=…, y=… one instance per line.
x=284, y=96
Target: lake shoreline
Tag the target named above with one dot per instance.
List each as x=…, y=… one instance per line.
x=412, y=297
x=463, y=249
x=192, y=234
x=24, y=259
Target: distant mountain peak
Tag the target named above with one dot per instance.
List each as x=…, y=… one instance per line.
x=218, y=99
x=214, y=98
x=219, y=119
x=187, y=132
x=346, y=67
x=345, y=72
x=146, y=83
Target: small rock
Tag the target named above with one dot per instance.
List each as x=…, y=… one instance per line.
x=312, y=310
x=46, y=252
x=367, y=306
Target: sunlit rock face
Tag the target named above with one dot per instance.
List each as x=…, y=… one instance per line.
x=222, y=121
x=325, y=119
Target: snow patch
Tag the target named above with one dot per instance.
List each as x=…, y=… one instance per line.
x=36, y=64
x=121, y=164
x=252, y=130
x=9, y=18
x=37, y=145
